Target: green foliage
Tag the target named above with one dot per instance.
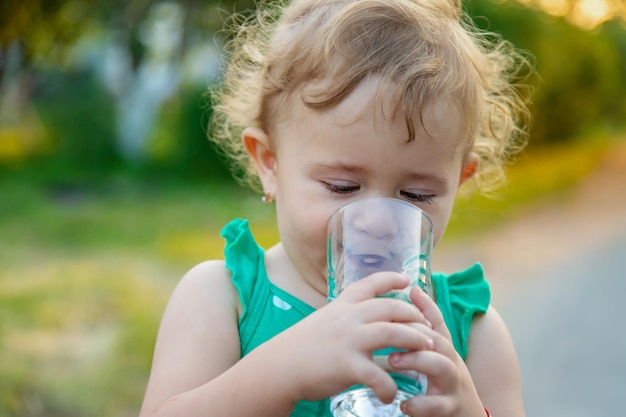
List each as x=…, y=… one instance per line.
x=581, y=81
x=79, y=118
x=579, y=88
x=180, y=142
x=32, y=21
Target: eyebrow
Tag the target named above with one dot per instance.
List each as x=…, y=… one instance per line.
x=342, y=166
x=358, y=169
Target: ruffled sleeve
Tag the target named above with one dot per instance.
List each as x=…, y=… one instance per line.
x=243, y=258
x=461, y=296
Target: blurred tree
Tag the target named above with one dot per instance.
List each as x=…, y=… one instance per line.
x=149, y=55
x=80, y=125
x=139, y=48
x=179, y=148
x=581, y=73
x=586, y=14
x=31, y=31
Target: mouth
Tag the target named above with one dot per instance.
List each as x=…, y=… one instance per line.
x=364, y=264
x=369, y=261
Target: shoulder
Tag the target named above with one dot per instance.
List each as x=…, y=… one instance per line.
x=492, y=362
x=204, y=299
x=206, y=281
x=204, y=276
x=198, y=338
x=205, y=288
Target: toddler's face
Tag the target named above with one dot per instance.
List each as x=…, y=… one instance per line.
x=325, y=159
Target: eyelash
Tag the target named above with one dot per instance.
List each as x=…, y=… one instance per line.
x=346, y=189
x=421, y=198
x=341, y=189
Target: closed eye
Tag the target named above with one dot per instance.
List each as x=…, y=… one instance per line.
x=341, y=188
x=420, y=198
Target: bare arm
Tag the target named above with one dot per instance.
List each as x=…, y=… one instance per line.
x=489, y=376
x=493, y=364
x=198, y=342
x=197, y=370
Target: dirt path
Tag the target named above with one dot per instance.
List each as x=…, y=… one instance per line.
x=551, y=234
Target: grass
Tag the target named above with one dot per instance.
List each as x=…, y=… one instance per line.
x=85, y=273
x=76, y=332
x=84, y=277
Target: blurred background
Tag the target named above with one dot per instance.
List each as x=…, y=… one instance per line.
x=110, y=191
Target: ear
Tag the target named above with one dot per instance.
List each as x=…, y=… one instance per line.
x=257, y=144
x=470, y=166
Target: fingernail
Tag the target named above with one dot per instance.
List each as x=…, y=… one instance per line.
x=403, y=407
x=429, y=324
x=430, y=343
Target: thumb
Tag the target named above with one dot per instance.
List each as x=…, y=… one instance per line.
x=431, y=311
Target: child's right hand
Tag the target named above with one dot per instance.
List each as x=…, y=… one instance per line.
x=331, y=349
x=197, y=370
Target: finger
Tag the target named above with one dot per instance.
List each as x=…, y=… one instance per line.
x=431, y=311
x=441, y=344
x=427, y=405
x=441, y=370
x=378, y=380
x=390, y=310
x=374, y=285
x=382, y=335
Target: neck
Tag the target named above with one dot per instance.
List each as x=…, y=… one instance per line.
x=283, y=273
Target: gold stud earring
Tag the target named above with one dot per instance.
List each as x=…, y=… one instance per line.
x=267, y=198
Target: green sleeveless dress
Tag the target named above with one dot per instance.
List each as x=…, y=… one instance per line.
x=268, y=310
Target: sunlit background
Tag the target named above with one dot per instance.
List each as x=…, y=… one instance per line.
x=109, y=190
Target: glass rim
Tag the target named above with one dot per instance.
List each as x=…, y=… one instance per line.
x=387, y=199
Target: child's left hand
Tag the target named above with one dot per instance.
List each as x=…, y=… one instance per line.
x=451, y=391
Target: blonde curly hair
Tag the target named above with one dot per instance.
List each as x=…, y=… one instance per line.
x=319, y=51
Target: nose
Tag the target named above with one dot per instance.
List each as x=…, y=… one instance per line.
x=376, y=220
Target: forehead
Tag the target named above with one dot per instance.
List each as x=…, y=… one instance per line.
x=380, y=103
x=364, y=131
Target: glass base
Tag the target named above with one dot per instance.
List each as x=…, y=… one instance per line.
x=362, y=402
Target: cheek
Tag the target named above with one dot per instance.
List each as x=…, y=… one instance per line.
x=306, y=227
x=440, y=219
x=439, y=227
x=440, y=223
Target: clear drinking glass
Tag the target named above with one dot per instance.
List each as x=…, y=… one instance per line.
x=367, y=236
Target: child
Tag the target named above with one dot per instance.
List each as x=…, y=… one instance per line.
x=326, y=102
